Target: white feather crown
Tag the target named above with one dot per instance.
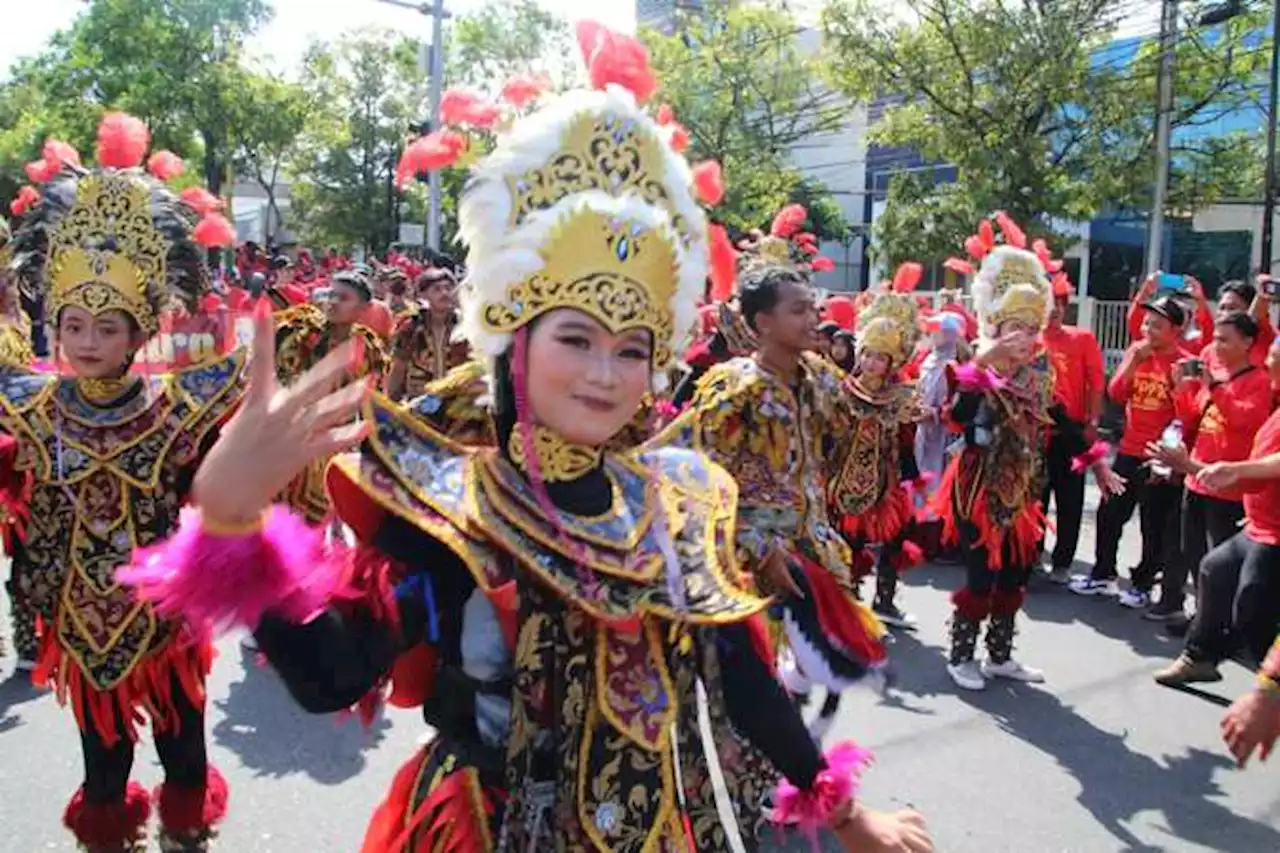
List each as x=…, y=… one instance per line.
x=1011, y=284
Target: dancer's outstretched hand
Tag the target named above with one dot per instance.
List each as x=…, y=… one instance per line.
x=1252, y=723
x=278, y=431
x=884, y=832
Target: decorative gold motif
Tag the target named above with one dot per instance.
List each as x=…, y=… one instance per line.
x=619, y=272
x=888, y=326
x=106, y=254
x=1020, y=289
x=106, y=389
x=559, y=461
x=603, y=152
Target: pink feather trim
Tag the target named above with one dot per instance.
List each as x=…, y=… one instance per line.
x=833, y=788
x=218, y=582
x=970, y=377
x=1095, y=454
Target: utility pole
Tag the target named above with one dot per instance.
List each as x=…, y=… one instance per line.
x=1164, y=116
x=435, y=9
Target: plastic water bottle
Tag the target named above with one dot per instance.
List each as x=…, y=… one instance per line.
x=1170, y=438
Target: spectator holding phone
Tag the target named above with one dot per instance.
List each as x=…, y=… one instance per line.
x=1184, y=289
x=1241, y=296
x=1221, y=415
x=1144, y=383
x=1239, y=590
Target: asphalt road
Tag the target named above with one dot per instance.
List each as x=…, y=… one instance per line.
x=1098, y=760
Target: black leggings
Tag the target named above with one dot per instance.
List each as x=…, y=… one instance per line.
x=1238, y=596
x=1157, y=502
x=980, y=578
x=1066, y=487
x=181, y=749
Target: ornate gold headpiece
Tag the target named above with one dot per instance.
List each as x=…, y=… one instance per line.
x=1011, y=285
x=888, y=322
x=584, y=205
x=106, y=254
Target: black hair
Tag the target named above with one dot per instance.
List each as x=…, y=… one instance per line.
x=1242, y=323
x=356, y=282
x=758, y=289
x=828, y=328
x=1243, y=289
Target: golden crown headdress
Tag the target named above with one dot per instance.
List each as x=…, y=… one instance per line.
x=888, y=320
x=114, y=238
x=1011, y=282
x=585, y=204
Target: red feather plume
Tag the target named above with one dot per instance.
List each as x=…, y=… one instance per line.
x=22, y=202
x=708, y=180
x=822, y=264
x=55, y=150
x=987, y=235
x=841, y=311
x=462, y=106
x=959, y=265
x=437, y=150
x=976, y=247
x=201, y=200
x=616, y=59
x=724, y=264
x=122, y=141
x=523, y=89
x=1013, y=235
x=165, y=165
x=907, y=277
x=665, y=115
x=789, y=221
x=42, y=171
x=212, y=230
x=679, y=137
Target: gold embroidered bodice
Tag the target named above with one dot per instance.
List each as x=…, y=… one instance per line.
x=109, y=476
x=775, y=439
x=866, y=453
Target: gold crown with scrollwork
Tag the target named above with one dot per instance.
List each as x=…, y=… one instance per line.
x=888, y=325
x=106, y=254
x=1011, y=284
x=583, y=205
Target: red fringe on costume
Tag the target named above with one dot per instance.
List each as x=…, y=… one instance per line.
x=112, y=824
x=1021, y=538
x=452, y=818
x=883, y=522
x=147, y=688
x=842, y=618
x=185, y=810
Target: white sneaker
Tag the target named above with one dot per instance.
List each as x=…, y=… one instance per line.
x=1089, y=586
x=1135, y=599
x=1013, y=670
x=967, y=675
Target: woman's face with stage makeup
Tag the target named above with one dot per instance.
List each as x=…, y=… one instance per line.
x=584, y=382
x=97, y=347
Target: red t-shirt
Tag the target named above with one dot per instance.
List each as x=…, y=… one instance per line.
x=1257, y=352
x=1262, y=502
x=1223, y=420
x=1147, y=397
x=1077, y=368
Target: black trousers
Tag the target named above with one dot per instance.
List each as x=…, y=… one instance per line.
x=1157, y=504
x=1238, y=597
x=1206, y=523
x=980, y=578
x=1066, y=487
x=181, y=749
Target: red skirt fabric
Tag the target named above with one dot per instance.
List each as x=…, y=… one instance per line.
x=883, y=523
x=1020, y=541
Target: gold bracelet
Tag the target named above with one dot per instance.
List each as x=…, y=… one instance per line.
x=229, y=529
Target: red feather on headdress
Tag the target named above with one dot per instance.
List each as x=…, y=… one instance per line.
x=789, y=221
x=708, y=180
x=22, y=202
x=523, y=89
x=57, y=151
x=804, y=238
x=959, y=265
x=665, y=115
x=724, y=264
x=462, y=106
x=1061, y=286
x=822, y=264
x=212, y=230
x=616, y=59
x=165, y=165
x=437, y=150
x=42, y=171
x=679, y=137
x=122, y=141
x=1013, y=235
x=841, y=311
x=200, y=200
x=907, y=277
x=987, y=235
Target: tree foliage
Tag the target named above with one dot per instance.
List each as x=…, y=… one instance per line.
x=1040, y=112
x=747, y=88
x=500, y=39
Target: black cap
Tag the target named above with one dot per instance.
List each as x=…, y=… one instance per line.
x=1168, y=308
x=828, y=327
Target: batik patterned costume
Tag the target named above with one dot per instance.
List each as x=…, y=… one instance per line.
x=556, y=609
x=428, y=351
x=107, y=465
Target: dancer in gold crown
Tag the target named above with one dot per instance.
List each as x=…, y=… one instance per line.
x=876, y=448
x=570, y=618
x=110, y=456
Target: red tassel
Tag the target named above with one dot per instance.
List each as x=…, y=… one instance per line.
x=109, y=826
x=165, y=165
x=214, y=230
x=678, y=138
x=724, y=264
x=22, y=202
x=122, y=141
x=185, y=810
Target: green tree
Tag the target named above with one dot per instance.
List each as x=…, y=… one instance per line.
x=501, y=39
x=343, y=171
x=1039, y=112
x=747, y=89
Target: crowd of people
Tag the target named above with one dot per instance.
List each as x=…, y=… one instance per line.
x=610, y=566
